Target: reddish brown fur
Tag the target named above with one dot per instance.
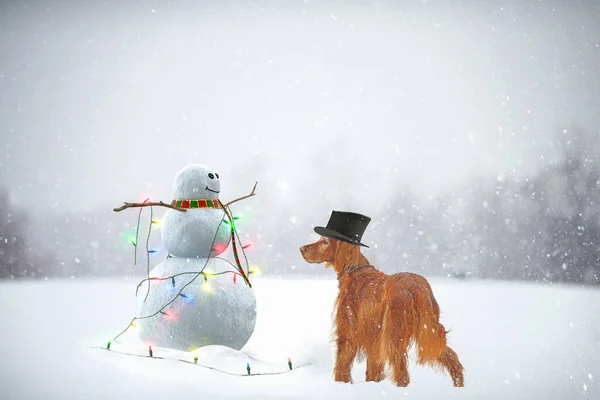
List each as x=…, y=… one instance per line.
x=381, y=316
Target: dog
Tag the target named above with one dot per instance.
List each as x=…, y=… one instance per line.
x=380, y=316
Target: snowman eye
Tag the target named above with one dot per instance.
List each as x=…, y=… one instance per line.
x=217, y=175
x=210, y=175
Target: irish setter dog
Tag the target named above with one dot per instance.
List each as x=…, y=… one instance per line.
x=380, y=316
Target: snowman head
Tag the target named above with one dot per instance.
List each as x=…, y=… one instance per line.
x=196, y=182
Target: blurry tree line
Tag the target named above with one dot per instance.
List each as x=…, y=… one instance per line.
x=20, y=255
x=92, y=243
x=544, y=227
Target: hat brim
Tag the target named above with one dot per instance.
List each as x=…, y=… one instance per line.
x=321, y=230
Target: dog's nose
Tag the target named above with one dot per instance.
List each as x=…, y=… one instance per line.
x=302, y=249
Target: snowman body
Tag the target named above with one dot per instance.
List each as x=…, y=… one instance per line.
x=216, y=308
x=201, y=232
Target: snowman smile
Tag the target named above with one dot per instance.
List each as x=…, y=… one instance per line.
x=214, y=191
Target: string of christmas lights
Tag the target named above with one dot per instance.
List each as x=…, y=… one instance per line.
x=134, y=242
x=148, y=252
x=195, y=362
x=240, y=240
x=234, y=234
x=205, y=274
x=233, y=243
x=230, y=215
x=227, y=212
x=160, y=311
x=226, y=209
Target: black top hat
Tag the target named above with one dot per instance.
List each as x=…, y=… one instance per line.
x=345, y=226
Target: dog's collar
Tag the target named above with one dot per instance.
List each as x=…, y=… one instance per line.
x=347, y=271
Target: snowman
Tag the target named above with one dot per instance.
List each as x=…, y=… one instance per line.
x=208, y=303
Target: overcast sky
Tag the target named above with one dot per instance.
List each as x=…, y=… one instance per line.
x=102, y=102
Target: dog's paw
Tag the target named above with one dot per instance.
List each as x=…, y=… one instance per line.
x=343, y=379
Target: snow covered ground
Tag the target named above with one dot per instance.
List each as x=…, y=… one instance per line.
x=516, y=341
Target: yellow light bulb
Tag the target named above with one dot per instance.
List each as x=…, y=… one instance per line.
x=207, y=288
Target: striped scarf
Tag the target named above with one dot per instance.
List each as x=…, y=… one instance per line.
x=203, y=203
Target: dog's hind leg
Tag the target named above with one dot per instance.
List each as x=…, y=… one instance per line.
x=399, y=361
x=449, y=359
x=397, y=337
x=375, y=361
x=372, y=336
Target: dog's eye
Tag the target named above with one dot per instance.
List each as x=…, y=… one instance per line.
x=210, y=175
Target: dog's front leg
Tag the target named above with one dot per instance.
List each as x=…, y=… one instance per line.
x=346, y=351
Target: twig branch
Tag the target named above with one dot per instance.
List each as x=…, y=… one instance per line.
x=242, y=198
x=149, y=204
x=161, y=204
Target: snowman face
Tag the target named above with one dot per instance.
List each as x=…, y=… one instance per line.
x=196, y=182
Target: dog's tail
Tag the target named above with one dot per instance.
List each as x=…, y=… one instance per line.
x=430, y=335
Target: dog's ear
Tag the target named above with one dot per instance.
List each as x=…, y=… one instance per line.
x=331, y=253
x=346, y=256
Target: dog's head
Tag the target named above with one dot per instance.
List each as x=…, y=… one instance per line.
x=334, y=253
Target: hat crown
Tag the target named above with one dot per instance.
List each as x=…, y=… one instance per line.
x=345, y=226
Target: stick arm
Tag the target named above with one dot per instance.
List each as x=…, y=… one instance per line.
x=243, y=197
x=127, y=205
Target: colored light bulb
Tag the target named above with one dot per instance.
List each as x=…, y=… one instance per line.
x=108, y=345
x=290, y=363
x=248, y=368
x=254, y=271
x=219, y=248
x=150, y=352
x=173, y=281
